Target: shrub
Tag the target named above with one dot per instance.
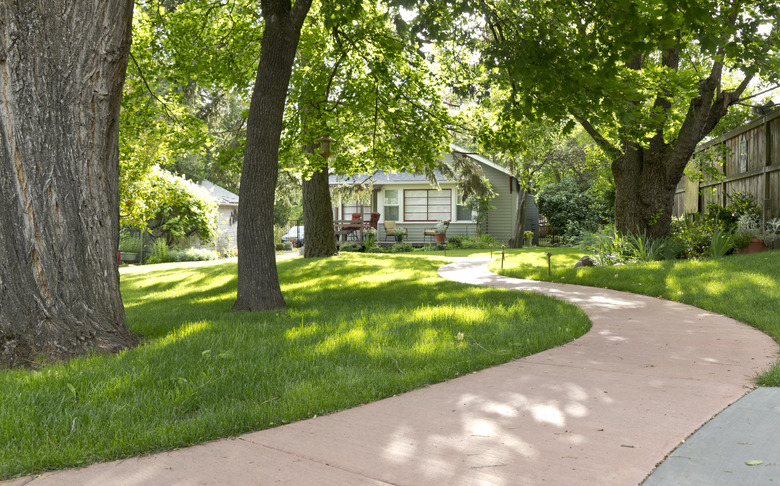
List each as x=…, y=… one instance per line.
x=130, y=243
x=401, y=248
x=721, y=243
x=351, y=246
x=159, y=252
x=694, y=236
x=192, y=255
x=456, y=241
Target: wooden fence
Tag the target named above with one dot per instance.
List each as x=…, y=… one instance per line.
x=746, y=160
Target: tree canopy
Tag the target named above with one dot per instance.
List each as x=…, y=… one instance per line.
x=646, y=80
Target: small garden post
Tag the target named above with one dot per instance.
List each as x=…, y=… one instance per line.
x=549, y=264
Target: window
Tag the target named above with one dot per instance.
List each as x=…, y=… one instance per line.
x=427, y=205
x=464, y=213
x=362, y=205
x=391, y=205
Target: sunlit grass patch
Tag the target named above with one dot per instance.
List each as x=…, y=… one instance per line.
x=358, y=328
x=744, y=287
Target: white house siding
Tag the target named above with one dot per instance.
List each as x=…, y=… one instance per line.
x=226, y=229
x=500, y=221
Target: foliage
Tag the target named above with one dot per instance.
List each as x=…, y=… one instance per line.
x=442, y=226
x=694, y=236
x=646, y=249
x=205, y=373
x=192, y=255
x=647, y=81
x=351, y=246
x=572, y=208
x=739, y=203
x=130, y=241
x=159, y=252
x=469, y=242
x=721, y=243
x=752, y=226
x=480, y=206
x=168, y=207
x=740, y=240
x=364, y=85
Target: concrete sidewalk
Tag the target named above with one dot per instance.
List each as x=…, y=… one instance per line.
x=604, y=409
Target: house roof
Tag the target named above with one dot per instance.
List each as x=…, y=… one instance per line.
x=479, y=158
x=381, y=177
x=224, y=196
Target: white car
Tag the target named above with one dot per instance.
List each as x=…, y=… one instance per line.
x=294, y=236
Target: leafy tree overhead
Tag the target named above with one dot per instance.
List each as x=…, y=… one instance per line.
x=358, y=80
x=64, y=65
x=646, y=80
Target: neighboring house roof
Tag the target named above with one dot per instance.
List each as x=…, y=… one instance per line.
x=225, y=197
x=479, y=158
x=381, y=177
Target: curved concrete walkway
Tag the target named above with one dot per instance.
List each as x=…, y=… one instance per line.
x=604, y=409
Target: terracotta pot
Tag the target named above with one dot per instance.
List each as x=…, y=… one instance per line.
x=754, y=246
x=440, y=237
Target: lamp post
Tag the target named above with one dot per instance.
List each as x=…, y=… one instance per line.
x=325, y=142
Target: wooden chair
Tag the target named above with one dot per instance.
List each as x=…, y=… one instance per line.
x=374, y=220
x=390, y=228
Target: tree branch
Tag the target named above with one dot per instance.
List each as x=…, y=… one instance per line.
x=603, y=143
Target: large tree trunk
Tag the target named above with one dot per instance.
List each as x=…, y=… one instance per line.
x=317, y=215
x=518, y=234
x=258, y=281
x=645, y=182
x=63, y=66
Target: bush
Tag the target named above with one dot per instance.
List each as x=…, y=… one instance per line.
x=192, y=255
x=130, y=243
x=456, y=241
x=694, y=236
x=351, y=246
x=728, y=217
x=573, y=209
x=401, y=248
x=159, y=253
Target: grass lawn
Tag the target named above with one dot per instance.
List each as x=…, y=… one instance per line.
x=745, y=287
x=358, y=328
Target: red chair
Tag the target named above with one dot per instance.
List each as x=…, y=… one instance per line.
x=374, y=220
x=355, y=226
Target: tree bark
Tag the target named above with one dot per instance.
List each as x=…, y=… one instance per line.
x=317, y=216
x=62, y=69
x=258, y=280
x=518, y=236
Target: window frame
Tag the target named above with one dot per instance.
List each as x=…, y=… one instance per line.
x=427, y=205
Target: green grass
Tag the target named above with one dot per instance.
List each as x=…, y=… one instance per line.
x=358, y=328
x=744, y=287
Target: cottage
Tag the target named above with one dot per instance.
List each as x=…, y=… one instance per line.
x=227, y=216
x=415, y=204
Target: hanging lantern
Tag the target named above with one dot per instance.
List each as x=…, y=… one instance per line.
x=325, y=142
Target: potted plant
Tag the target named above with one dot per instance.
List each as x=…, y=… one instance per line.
x=369, y=236
x=751, y=238
x=441, y=231
x=399, y=234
